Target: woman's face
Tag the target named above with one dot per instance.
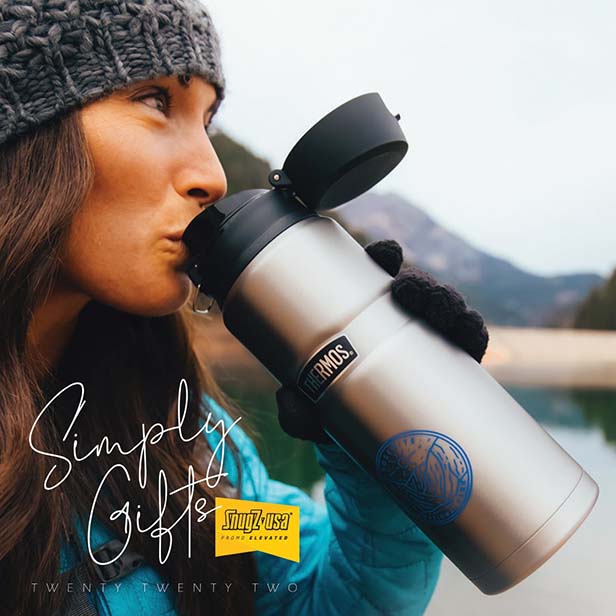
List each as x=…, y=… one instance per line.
x=155, y=170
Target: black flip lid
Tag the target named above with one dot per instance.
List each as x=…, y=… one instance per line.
x=346, y=153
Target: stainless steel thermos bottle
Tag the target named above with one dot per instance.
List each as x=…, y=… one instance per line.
x=461, y=458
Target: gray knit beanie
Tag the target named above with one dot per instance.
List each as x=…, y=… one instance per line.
x=58, y=54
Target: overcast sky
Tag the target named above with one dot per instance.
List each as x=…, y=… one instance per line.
x=509, y=108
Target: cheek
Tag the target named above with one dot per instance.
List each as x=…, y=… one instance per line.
x=127, y=271
x=115, y=253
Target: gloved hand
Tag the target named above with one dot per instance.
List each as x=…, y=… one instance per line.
x=440, y=305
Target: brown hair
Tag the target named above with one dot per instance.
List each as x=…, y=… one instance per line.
x=130, y=366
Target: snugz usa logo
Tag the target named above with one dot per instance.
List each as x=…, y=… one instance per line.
x=248, y=526
x=254, y=520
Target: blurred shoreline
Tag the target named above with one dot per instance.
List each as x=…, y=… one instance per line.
x=530, y=356
x=577, y=358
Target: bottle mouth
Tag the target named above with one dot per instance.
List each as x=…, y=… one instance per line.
x=224, y=241
x=203, y=230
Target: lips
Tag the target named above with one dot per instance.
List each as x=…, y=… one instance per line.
x=178, y=249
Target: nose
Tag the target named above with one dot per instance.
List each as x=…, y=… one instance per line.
x=201, y=179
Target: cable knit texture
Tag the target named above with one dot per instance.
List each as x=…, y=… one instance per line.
x=59, y=54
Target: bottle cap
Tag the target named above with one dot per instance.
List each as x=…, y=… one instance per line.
x=346, y=153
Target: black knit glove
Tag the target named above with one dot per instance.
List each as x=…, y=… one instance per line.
x=440, y=305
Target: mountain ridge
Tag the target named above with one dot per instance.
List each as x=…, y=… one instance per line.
x=504, y=293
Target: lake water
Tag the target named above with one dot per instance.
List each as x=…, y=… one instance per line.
x=580, y=579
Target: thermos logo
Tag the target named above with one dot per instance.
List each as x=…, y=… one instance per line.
x=324, y=367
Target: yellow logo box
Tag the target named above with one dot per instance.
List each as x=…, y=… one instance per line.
x=248, y=526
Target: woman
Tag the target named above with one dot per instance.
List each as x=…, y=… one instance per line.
x=104, y=160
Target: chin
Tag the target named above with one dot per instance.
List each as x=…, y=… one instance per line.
x=173, y=304
x=166, y=301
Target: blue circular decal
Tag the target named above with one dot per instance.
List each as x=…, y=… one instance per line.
x=429, y=472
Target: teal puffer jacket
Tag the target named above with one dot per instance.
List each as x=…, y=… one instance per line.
x=359, y=554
